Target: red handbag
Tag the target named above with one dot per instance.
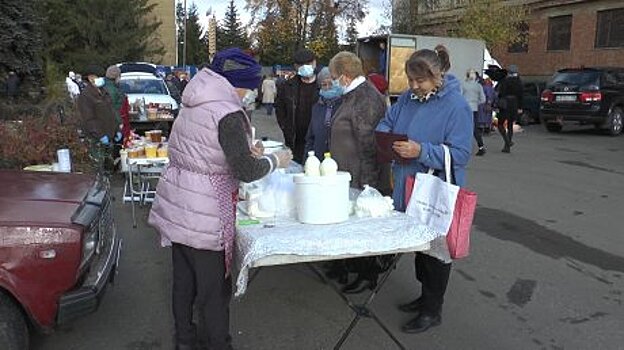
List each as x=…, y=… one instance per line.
x=458, y=236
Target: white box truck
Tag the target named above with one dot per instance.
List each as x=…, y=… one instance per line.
x=465, y=54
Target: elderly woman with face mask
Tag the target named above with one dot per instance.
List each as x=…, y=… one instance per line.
x=352, y=144
x=210, y=151
x=432, y=113
x=323, y=112
x=474, y=95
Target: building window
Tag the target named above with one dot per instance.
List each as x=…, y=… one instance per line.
x=559, y=32
x=610, y=28
x=522, y=45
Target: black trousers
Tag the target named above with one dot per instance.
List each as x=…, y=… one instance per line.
x=506, y=132
x=478, y=129
x=433, y=275
x=199, y=280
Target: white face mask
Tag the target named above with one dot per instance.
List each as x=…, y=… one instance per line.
x=99, y=82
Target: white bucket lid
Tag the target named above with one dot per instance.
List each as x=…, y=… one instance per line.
x=340, y=176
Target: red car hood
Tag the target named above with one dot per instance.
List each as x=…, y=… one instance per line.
x=40, y=198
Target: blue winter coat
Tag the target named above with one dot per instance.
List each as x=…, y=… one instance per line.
x=317, y=139
x=446, y=119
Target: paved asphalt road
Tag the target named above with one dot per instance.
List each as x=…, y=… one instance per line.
x=546, y=269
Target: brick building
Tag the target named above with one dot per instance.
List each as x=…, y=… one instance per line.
x=166, y=34
x=561, y=33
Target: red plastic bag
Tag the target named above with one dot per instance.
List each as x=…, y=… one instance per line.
x=458, y=236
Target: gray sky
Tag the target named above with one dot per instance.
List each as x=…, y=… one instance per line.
x=372, y=21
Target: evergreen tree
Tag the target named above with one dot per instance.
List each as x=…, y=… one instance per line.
x=20, y=40
x=196, y=49
x=351, y=34
x=277, y=39
x=103, y=32
x=231, y=32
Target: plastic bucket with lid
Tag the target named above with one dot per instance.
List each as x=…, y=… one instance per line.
x=322, y=199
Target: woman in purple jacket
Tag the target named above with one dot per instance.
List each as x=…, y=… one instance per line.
x=210, y=151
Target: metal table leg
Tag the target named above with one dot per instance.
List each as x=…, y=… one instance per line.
x=363, y=310
x=132, y=193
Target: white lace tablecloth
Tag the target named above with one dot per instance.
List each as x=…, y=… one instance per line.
x=290, y=242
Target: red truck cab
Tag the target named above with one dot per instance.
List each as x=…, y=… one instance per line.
x=58, y=250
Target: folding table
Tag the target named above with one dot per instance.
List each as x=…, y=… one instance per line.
x=145, y=169
x=290, y=242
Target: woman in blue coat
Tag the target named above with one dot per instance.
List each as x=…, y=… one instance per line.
x=431, y=113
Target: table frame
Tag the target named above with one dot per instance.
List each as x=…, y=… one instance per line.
x=143, y=191
x=360, y=311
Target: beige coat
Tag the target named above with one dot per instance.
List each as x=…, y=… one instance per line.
x=269, y=90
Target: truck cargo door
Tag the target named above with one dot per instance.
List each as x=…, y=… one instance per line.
x=400, y=49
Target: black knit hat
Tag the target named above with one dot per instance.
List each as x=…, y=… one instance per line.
x=303, y=56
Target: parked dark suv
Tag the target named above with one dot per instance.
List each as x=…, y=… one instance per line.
x=586, y=96
x=531, y=102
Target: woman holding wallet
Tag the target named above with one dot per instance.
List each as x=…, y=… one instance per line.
x=431, y=113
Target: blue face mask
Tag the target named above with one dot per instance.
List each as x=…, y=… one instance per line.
x=334, y=91
x=306, y=71
x=99, y=82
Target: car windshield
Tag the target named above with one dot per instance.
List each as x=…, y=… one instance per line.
x=578, y=78
x=143, y=86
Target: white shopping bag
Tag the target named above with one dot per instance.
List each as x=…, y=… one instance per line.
x=432, y=203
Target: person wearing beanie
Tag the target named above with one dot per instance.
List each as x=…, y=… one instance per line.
x=295, y=98
x=111, y=84
x=210, y=152
x=510, y=91
x=97, y=116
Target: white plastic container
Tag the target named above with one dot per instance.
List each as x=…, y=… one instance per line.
x=329, y=167
x=323, y=199
x=123, y=155
x=64, y=160
x=312, y=165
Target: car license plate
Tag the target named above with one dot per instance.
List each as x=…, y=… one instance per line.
x=565, y=98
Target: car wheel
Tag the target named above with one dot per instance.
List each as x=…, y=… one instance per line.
x=553, y=127
x=614, y=121
x=13, y=328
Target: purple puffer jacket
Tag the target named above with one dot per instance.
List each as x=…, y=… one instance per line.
x=197, y=188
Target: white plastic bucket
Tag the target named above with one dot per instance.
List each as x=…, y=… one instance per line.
x=64, y=160
x=322, y=199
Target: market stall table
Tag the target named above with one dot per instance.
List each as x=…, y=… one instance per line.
x=142, y=125
x=139, y=165
x=286, y=241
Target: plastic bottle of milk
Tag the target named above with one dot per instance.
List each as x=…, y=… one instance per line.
x=329, y=167
x=312, y=165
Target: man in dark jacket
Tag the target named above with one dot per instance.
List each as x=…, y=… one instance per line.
x=295, y=98
x=509, y=104
x=97, y=115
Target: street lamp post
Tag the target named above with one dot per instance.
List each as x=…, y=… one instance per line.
x=184, y=43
